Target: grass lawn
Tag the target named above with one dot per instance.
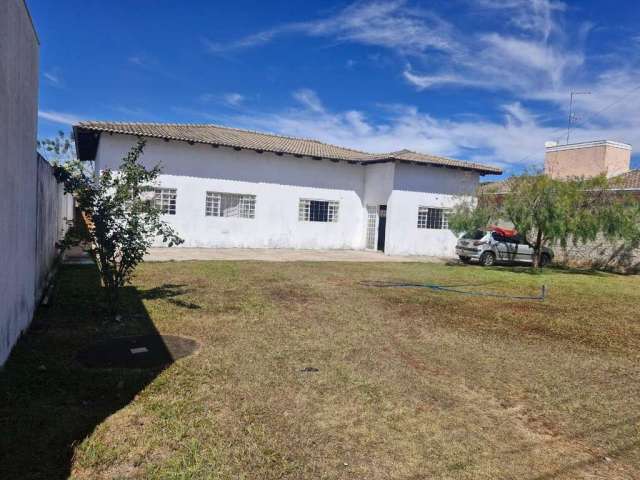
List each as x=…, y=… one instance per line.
x=411, y=383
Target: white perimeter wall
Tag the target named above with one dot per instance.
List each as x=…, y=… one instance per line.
x=280, y=181
x=18, y=110
x=415, y=186
x=54, y=212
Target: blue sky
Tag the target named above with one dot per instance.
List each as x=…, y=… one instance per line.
x=481, y=80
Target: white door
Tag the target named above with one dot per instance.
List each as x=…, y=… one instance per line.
x=372, y=226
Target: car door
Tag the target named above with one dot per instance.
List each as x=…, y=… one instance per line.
x=525, y=251
x=506, y=247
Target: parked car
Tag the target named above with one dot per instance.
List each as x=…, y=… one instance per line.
x=498, y=246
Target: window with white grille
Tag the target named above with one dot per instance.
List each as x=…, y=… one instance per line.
x=165, y=200
x=318, y=210
x=220, y=204
x=433, y=218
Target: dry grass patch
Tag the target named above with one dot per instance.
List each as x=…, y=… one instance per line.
x=410, y=383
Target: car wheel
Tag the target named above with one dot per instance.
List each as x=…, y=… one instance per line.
x=545, y=260
x=487, y=259
x=465, y=259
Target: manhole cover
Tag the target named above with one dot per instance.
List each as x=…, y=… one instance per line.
x=143, y=351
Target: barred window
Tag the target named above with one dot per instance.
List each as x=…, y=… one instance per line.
x=230, y=205
x=433, y=218
x=165, y=200
x=318, y=210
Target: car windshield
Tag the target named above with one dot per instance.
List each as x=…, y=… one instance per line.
x=477, y=235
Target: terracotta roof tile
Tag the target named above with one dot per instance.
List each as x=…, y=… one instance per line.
x=233, y=137
x=628, y=180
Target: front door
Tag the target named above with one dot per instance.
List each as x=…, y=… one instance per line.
x=382, y=224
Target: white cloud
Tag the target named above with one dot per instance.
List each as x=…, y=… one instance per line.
x=389, y=24
x=138, y=60
x=422, y=82
x=53, y=78
x=233, y=99
x=535, y=16
x=309, y=99
x=230, y=99
x=59, y=117
x=535, y=57
x=513, y=141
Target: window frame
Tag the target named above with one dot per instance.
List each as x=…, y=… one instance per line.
x=214, y=204
x=305, y=213
x=432, y=224
x=165, y=204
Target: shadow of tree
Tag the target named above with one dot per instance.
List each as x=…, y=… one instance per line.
x=48, y=401
x=552, y=269
x=169, y=292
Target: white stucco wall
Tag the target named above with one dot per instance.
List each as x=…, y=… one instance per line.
x=279, y=182
x=18, y=110
x=423, y=186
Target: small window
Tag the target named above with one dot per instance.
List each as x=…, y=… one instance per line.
x=230, y=205
x=432, y=218
x=318, y=210
x=165, y=200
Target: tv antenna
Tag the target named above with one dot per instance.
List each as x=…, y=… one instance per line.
x=571, y=116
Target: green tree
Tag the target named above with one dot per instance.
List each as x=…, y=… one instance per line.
x=548, y=211
x=124, y=222
x=59, y=149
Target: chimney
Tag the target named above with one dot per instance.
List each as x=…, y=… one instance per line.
x=587, y=159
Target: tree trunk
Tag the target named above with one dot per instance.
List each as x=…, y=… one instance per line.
x=537, y=250
x=113, y=295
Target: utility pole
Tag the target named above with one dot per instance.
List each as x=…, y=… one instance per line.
x=570, y=119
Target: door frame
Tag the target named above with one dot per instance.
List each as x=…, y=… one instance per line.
x=369, y=209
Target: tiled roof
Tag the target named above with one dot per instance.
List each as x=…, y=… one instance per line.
x=628, y=180
x=625, y=181
x=233, y=137
x=497, y=187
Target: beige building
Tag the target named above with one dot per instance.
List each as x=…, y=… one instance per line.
x=587, y=159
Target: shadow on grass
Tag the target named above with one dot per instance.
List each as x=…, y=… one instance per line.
x=169, y=292
x=549, y=270
x=48, y=402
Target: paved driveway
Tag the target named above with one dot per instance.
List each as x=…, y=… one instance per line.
x=279, y=255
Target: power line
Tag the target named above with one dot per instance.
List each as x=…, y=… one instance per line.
x=581, y=122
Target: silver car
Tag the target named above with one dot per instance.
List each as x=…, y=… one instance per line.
x=491, y=247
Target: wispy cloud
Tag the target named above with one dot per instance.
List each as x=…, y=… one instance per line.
x=139, y=61
x=229, y=99
x=389, y=24
x=53, y=78
x=537, y=57
x=513, y=141
x=309, y=99
x=59, y=117
x=535, y=54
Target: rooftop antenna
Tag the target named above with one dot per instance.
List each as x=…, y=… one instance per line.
x=571, y=116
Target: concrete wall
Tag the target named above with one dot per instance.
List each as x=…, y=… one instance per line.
x=587, y=159
x=602, y=254
x=18, y=168
x=422, y=186
x=279, y=182
x=54, y=212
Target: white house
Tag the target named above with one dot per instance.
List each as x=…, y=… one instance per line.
x=224, y=187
